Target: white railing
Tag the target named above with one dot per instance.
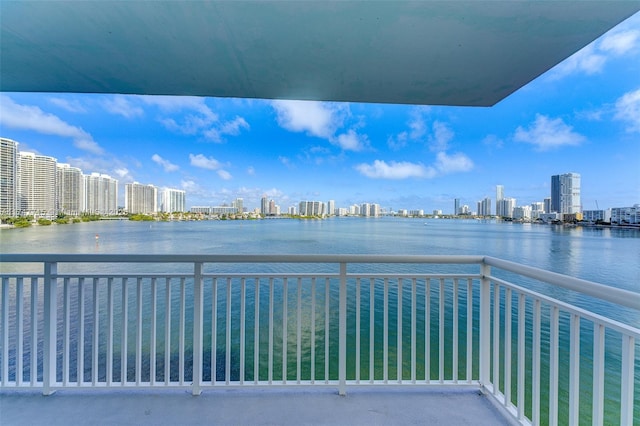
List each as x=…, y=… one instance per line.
x=161, y=321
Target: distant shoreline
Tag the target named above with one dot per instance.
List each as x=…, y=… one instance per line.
x=285, y=217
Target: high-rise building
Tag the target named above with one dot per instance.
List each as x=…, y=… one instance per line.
x=565, y=193
x=506, y=206
x=331, y=207
x=311, y=208
x=238, y=203
x=172, y=200
x=365, y=209
x=484, y=207
x=264, y=206
x=140, y=198
x=69, y=189
x=537, y=209
x=374, y=210
x=8, y=177
x=100, y=194
x=456, y=206
x=522, y=212
x=547, y=205
x=499, y=197
x=37, y=185
x=302, y=208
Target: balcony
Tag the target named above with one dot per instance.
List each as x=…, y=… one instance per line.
x=406, y=338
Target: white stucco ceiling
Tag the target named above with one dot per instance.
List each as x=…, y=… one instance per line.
x=413, y=52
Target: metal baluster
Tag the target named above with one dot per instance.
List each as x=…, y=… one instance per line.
x=399, y=334
x=414, y=335
x=574, y=370
x=50, y=289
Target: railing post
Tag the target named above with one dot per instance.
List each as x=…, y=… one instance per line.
x=197, y=329
x=50, y=327
x=626, y=399
x=342, y=335
x=485, y=322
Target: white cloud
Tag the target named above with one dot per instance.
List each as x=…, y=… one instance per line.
x=209, y=163
x=32, y=118
x=399, y=141
x=394, y=170
x=441, y=137
x=352, y=141
x=628, y=109
x=586, y=60
x=196, y=119
x=90, y=165
x=454, y=163
x=417, y=124
x=190, y=124
x=318, y=119
x=224, y=174
x=108, y=165
x=623, y=40
x=417, y=129
x=251, y=171
x=591, y=115
x=190, y=186
x=69, y=105
x=121, y=105
x=546, y=133
x=232, y=127
x=200, y=116
x=166, y=164
x=123, y=173
x=322, y=120
x=444, y=164
x=620, y=43
x=203, y=162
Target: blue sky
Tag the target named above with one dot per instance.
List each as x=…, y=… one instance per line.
x=582, y=116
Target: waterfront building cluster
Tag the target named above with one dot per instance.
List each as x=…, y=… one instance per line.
x=38, y=185
x=507, y=207
x=236, y=207
x=268, y=207
x=563, y=204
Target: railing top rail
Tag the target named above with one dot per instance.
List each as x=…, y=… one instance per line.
x=600, y=291
x=238, y=258
x=603, y=292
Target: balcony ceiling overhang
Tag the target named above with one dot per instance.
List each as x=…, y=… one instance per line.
x=407, y=52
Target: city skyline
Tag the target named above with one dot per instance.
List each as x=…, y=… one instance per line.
x=582, y=116
x=34, y=184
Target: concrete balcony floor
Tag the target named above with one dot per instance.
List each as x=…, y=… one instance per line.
x=319, y=406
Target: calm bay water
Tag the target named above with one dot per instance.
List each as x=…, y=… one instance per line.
x=606, y=256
